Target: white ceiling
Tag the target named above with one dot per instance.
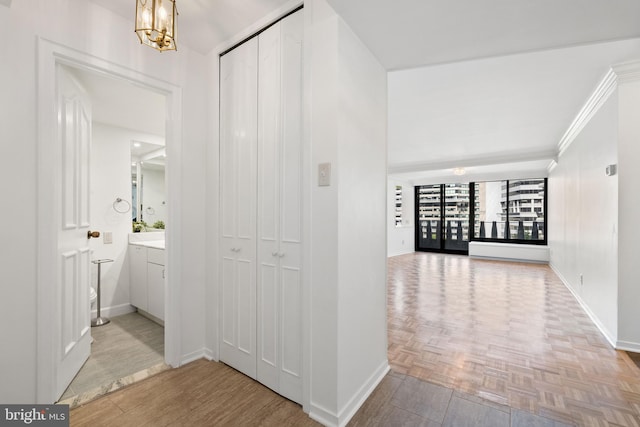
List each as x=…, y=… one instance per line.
x=500, y=110
x=461, y=93
x=410, y=33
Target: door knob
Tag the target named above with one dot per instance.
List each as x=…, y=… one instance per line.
x=94, y=234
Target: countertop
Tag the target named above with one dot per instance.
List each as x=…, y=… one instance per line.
x=157, y=244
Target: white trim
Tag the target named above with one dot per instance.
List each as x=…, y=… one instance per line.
x=306, y=211
x=363, y=393
x=258, y=25
x=323, y=415
x=49, y=55
x=329, y=418
x=473, y=161
x=193, y=356
x=628, y=346
x=597, y=99
x=603, y=330
x=552, y=165
x=210, y=355
x=627, y=71
x=113, y=311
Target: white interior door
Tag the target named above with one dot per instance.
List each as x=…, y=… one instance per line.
x=73, y=309
x=238, y=128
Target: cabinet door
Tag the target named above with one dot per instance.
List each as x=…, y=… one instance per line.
x=138, y=276
x=279, y=207
x=155, y=282
x=238, y=128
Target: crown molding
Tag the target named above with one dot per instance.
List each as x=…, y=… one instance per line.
x=617, y=74
x=627, y=72
x=597, y=99
x=495, y=159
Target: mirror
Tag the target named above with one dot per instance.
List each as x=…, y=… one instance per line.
x=149, y=210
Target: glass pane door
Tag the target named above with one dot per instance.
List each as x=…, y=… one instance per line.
x=429, y=233
x=456, y=217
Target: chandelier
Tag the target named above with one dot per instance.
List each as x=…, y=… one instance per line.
x=156, y=23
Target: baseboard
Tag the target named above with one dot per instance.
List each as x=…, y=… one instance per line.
x=323, y=415
x=209, y=355
x=113, y=311
x=407, y=252
x=193, y=356
x=628, y=346
x=596, y=321
x=363, y=394
x=327, y=418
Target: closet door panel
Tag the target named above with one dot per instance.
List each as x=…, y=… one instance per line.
x=245, y=309
x=269, y=137
x=268, y=321
x=269, y=133
x=238, y=160
x=291, y=318
x=228, y=302
x=291, y=200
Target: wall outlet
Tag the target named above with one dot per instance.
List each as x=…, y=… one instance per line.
x=107, y=237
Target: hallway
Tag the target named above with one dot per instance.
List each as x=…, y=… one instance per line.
x=508, y=333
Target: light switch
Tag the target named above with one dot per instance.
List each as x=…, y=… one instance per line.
x=107, y=237
x=324, y=174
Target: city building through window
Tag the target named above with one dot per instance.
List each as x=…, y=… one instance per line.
x=448, y=216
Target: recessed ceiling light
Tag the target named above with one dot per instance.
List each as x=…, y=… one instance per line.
x=133, y=163
x=136, y=144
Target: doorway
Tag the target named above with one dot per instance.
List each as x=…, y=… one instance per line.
x=127, y=147
x=442, y=218
x=50, y=339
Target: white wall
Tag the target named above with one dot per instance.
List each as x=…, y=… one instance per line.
x=111, y=179
x=583, y=218
x=348, y=219
x=628, y=215
x=88, y=28
x=400, y=239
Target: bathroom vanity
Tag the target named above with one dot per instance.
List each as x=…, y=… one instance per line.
x=147, y=277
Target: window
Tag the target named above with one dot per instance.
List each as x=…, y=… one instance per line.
x=398, y=196
x=442, y=217
x=512, y=211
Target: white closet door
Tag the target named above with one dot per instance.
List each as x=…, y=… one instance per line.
x=279, y=207
x=238, y=146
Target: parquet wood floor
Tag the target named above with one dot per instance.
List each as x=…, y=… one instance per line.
x=509, y=333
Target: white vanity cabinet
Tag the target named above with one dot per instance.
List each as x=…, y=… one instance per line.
x=146, y=274
x=138, y=276
x=155, y=282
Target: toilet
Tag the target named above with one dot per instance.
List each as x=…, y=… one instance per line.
x=93, y=296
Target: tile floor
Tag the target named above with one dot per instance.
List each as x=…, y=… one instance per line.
x=128, y=349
